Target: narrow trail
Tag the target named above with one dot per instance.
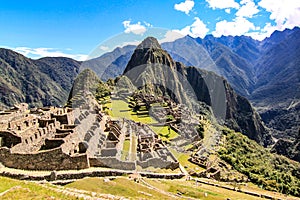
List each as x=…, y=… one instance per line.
x=171, y=195
x=159, y=190
x=82, y=193
x=10, y=190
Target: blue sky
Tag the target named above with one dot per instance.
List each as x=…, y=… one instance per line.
x=75, y=28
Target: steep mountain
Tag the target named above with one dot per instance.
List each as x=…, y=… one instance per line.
x=278, y=72
x=243, y=46
x=60, y=69
x=153, y=69
x=86, y=88
x=265, y=72
x=277, y=93
x=212, y=55
x=37, y=82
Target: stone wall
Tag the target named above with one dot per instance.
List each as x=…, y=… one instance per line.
x=108, y=152
x=34, y=139
x=21, y=122
x=111, y=162
x=9, y=139
x=158, y=163
x=52, y=143
x=53, y=159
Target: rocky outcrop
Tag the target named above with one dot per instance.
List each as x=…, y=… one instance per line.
x=149, y=52
x=241, y=116
x=288, y=148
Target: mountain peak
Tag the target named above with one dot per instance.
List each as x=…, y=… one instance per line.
x=149, y=52
x=148, y=43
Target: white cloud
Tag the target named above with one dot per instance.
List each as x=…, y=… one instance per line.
x=147, y=24
x=197, y=29
x=36, y=53
x=248, y=9
x=137, y=28
x=239, y=26
x=227, y=10
x=222, y=4
x=263, y=33
x=171, y=36
x=285, y=13
x=185, y=6
x=104, y=48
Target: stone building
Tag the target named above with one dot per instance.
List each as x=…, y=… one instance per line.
x=64, y=138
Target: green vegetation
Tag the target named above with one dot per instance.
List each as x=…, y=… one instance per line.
x=120, y=186
x=87, y=82
x=120, y=109
x=102, y=90
x=183, y=160
x=269, y=171
x=156, y=189
x=200, y=130
x=125, y=152
x=165, y=132
x=15, y=189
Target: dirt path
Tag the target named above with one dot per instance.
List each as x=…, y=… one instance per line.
x=82, y=193
x=10, y=190
x=159, y=190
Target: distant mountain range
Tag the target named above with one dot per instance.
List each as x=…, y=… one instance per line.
x=265, y=72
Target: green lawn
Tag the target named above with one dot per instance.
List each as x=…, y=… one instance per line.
x=125, y=151
x=120, y=186
x=120, y=109
x=191, y=189
x=183, y=160
x=164, y=132
x=27, y=190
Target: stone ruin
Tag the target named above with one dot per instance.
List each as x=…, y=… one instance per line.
x=145, y=149
x=77, y=138
x=162, y=108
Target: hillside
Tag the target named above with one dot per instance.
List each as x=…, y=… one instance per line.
x=23, y=79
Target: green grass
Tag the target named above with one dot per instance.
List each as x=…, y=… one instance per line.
x=190, y=189
x=164, y=132
x=124, y=187
x=27, y=190
x=120, y=186
x=183, y=160
x=120, y=109
x=125, y=152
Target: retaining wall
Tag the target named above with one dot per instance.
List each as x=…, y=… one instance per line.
x=111, y=162
x=158, y=163
x=53, y=159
